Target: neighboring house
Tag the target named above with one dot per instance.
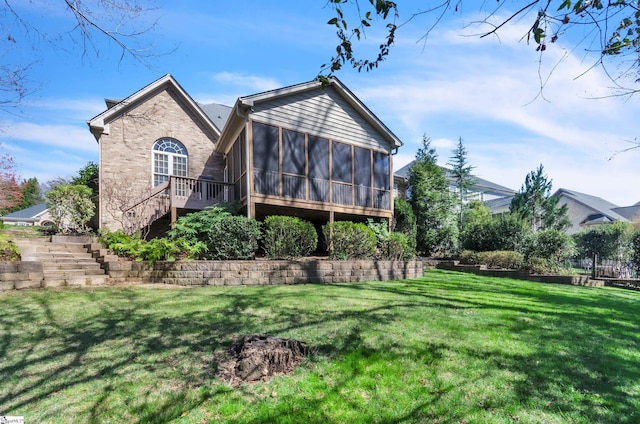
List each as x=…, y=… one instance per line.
x=311, y=150
x=586, y=210
x=481, y=190
x=500, y=205
x=583, y=209
x=34, y=215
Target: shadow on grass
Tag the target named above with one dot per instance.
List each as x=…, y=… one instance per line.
x=139, y=355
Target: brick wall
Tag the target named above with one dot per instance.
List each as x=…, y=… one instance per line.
x=254, y=273
x=125, y=152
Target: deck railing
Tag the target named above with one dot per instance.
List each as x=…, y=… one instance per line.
x=178, y=192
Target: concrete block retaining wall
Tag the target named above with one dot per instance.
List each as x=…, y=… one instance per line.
x=262, y=273
x=576, y=280
x=20, y=275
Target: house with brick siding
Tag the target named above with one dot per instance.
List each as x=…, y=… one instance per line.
x=311, y=150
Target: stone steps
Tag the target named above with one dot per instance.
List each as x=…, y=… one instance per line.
x=63, y=263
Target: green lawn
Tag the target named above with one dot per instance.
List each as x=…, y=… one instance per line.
x=447, y=348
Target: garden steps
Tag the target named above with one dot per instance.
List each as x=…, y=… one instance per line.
x=64, y=263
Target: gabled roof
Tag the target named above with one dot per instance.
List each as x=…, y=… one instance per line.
x=479, y=184
x=499, y=203
x=245, y=103
x=99, y=123
x=597, y=204
x=28, y=213
x=218, y=113
x=632, y=213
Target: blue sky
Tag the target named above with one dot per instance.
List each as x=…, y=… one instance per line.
x=486, y=91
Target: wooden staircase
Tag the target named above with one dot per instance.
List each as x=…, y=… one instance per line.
x=176, y=193
x=63, y=263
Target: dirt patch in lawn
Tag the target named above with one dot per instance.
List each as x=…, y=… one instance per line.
x=259, y=357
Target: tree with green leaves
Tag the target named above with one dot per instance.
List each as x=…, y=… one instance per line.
x=460, y=171
x=432, y=204
x=88, y=176
x=612, y=26
x=605, y=241
x=535, y=205
x=31, y=193
x=70, y=207
x=404, y=221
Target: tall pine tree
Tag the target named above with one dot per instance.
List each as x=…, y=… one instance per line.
x=534, y=204
x=432, y=204
x=461, y=174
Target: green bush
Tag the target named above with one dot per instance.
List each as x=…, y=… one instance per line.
x=233, y=237
x=537, y=265
x=347, y=240
x=121, y=244
x=8, y=249
x=552, y=245
x=469, y=257
x=635, y=250
x=506, y=259
x=397, y=247
x=191, y=232
x=158, y=249
x=404, y=221
x=287, y=237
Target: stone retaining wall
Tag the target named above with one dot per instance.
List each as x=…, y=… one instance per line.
x=576, y=280
x=20, y=275
x=259, y=272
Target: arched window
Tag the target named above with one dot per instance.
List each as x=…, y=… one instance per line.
x=169, y=158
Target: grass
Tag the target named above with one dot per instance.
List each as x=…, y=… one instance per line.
x=447, y=348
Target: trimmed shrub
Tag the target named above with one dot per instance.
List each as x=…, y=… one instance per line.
x=347, y=240
x=506, y=259
x=551, y=244
x=397, y=247
x=536, y=265
x=233, y=237
x=287, y=237
x=469, y=257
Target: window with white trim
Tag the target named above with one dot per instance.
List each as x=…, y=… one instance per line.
x=169, y=158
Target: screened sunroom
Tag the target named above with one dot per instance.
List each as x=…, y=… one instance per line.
x=308, y=172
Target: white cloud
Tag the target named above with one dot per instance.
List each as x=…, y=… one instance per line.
x=53, y=136
x=489, y=93
x=246, y=82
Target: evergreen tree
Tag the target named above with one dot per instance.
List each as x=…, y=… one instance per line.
x=404, y=221
x=462, y=177
x=432, y=204
x=534, y=204
x=31, y=194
